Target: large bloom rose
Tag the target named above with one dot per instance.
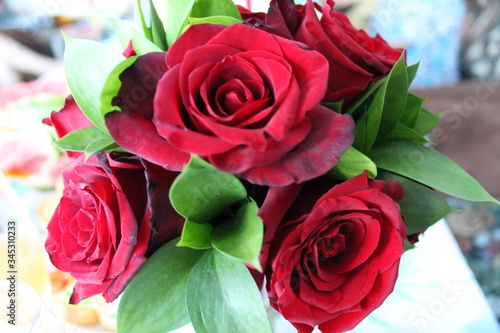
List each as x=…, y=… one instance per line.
x=355, y=58
x=244, y=99
x=339, y=261
x=102, y=227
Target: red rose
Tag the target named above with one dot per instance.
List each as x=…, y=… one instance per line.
x=70, y=118
x=355, y=58
x=100, y=231
x=249, y=105
x=338, y=262
x=129, y=50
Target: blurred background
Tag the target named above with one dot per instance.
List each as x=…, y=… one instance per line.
x=457, y=43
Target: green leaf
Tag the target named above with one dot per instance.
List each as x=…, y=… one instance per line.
x=334, y=106
x=351, y=164
x=412, y=72
x=177, y=18
x=360, y=133
x=147, y=31
x=179, y=12
x=426, y=121
x=241, y=236
x=363, y=99
x=421, y=206
x=80, y=139
x=412, y=109
x=219, y=19
x=157, y=29
x=366, y=130
x=428, y=167
x=104, y=144
x=112, y=86
x=402, y=132
x=202, y=193
x=88, y=65
x=223, y=297
x=196, y=235
x=155, y=300
x=142, y=45
x=124, y=31
x=395, y=96
x=382, y=113
x=206, y=8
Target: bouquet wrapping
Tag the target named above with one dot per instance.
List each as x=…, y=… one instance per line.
x=223, y=152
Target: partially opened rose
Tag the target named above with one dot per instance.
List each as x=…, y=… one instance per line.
x=245, y=100
x=70, y=118
x=339, y=261
x=102, y=228
x=355, y=58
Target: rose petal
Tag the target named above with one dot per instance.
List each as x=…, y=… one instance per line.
x=341, y=67
x=196, y=35
x=139, y=136
x=69, y=118
x=139, y=83
x=329, y=138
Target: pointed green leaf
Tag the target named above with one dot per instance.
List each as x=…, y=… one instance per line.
x=360, y=134
x=96, y=146
x=351, y=164
x=363, y=99
x=88, y=64
x=196, y=235
x=426, y=121
x=179, y=13
x=112, y=86
x=382, y=112
x=124, y=30
x=412, y=109
x=219, y=19
x=402, y=132
x=155, y=300
x=147, y=31
x=177, y=16
x=241, y=236
x=421, y=206
x=334, y=106
x=394, y=98
x=157, y=29
x=202, y=193
x=428, y=167
x=222, y=297
x=367, y=126
x=80, y=139
x=142, y=45
x=205, y=8
x=412, y=72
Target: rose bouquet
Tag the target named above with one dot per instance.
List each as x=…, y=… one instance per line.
x=227, y=152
